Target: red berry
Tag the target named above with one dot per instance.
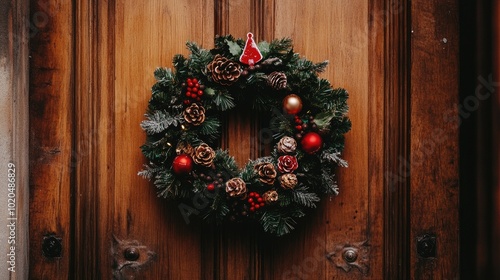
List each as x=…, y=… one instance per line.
x=194, y=89
x=186, y=102
x=257, y=206
x=252, y=209
x=188, y=89
x=252, y=194
x=298, y=127
x=189, y=80
x=193, y=95
x=260, y=199
x=188, y=94
x=210, y=187
x=190, y=84
x=198, y=99
x=250, y=200
x=262, y=204
x=200, y=92
x=195, y=81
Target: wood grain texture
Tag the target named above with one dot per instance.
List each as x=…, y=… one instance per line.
x=165, y=27
x=14, y=100
x=117, y=44
x=340, y=33
x=434, y=136
x=51, y=129
x=114, y=86
x=495, y=147
x=395, y=17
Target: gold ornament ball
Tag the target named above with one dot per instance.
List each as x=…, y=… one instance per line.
x=292, y=104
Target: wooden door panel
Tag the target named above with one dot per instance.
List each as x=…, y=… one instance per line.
x=105, y=71
x=147, y=35
x=51, y=153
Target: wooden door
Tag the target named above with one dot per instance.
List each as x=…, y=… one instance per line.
x=92, y=217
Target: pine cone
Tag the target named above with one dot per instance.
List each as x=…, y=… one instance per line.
x=270, y=197
x=277, y=80
x=288, y=181
x=236, y=187
x=287, y=145
x=224, y=71
x=204, y=155
x=267, y=173
x=184, y=148
x=194, y=114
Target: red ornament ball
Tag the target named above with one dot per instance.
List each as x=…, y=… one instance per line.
x=210, y=187
x=182, y=164
x=311, y=142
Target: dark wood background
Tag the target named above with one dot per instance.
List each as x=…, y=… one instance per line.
x=91, y=70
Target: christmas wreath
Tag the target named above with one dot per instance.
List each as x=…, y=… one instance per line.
x=183, y=121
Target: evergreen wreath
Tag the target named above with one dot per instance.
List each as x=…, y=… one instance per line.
x=183, y=122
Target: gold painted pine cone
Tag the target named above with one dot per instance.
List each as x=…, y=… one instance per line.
x=288, y=181
x=204, y=155
x=277, y=80
x=236, y=187
x=287, y=145
x=267, y=173
x=224, y=71
x=270, y=197
x=194, y=114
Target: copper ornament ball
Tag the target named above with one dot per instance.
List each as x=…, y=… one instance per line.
x=292, y=104
x=182, y=164
x=311, y=142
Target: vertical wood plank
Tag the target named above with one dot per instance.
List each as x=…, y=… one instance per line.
x=434, y=136
x=395, y=17
x=51, y=64
x=118, y=46
x=14, y=121
x=147, y=35
x=235, y=252
x=341, y=34
x=378, y=44
x=86, y=264
x=496, y=149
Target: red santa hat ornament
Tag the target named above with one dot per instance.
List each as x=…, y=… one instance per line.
x=251, y=54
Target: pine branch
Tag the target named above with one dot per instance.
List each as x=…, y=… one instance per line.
x=329, y=184
x=218, y=210
x=210, y=127
x=333, y=156
x=280, y=126
x=164, y=75
x=226, y=162
x=280, y=221
x=198, y=59
x=150, y=171
x=169, y=186
x=249, y=175
x=159, y=121
x=224, y=101
x=280, y=46
x=308, y=199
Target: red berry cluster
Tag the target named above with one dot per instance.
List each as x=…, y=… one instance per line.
x=194, y=90
x=302, y=127
x=255, y=201
x=298, y=123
